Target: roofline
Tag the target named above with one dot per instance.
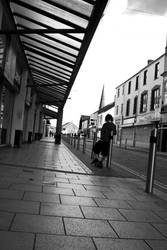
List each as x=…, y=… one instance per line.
x=141, y=70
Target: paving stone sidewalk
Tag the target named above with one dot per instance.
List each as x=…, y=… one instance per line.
x=51, y=200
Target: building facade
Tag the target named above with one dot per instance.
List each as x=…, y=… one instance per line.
x=138, y=105
x=69, y=128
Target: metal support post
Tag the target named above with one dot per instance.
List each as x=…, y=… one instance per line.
x=84, y=144
x=94, y=141
x=151, y=161
x=74, y=141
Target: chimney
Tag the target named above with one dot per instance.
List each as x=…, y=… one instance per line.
x=149, y=61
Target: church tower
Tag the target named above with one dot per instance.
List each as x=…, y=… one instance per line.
x=102, y=100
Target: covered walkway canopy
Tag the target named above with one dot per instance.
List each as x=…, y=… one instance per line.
x=55, y=35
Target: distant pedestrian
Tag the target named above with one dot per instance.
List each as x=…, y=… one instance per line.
x=101, y=148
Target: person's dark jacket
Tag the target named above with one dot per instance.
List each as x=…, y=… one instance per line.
x=106, y=130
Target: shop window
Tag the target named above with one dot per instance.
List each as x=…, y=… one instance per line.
x=143, y=104
x=127, y=107
x=135, y=105
x=155, y=98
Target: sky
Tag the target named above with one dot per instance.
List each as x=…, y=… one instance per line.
x=129, y=33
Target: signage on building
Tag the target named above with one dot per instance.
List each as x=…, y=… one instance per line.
x=155, y=116
x=129, y=121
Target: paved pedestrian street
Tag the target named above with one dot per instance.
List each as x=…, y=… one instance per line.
x=50, y=200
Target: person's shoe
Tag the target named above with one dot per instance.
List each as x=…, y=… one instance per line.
x=94, y=161
x=99, y=164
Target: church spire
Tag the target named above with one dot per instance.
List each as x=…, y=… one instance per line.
x=102, y=100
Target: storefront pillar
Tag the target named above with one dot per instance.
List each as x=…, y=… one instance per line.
x=18, y=113
x=59, y=126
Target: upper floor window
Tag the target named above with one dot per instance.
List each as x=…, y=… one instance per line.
x=123, y=89
x=121, y=108
x=155, y=94
x=137, y=83
x=129, y=87
x=156, y=73
x=145, y=78
x=127, y=107
x=117, y=107
x=135, y=105
x=118, y=92
x=143, y=104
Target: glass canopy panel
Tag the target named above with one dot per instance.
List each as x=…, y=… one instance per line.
x=46, y=47
x=33, y=67
x=38, y=17
x=57, y=12
x=46, y=53
x=77, y=35
x=44, y=80
x=49, y=62
x=66, y=39
x=54, y=43
x=26, y=23
x=77, y=5
x=41, y=66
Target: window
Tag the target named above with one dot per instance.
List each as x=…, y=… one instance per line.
x=135, y=105
x=129, y=87
x=127, y=107
x=137, y=83
x=145, y=78
x=118, y=93
x=117, y=110
x=121, y=108
x=123, y=89
x=156, y=74
x=143, y=105
x=155, y=98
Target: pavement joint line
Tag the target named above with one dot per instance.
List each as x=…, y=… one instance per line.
x=143, y=177
x=45, y=169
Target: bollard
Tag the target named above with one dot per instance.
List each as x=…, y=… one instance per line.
x=151, y=161
x=74, y=141
x=109, y=158
x=94, y=142
x=78, y=142
x=125, y=143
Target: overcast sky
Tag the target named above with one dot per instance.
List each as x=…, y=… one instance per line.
x=124, y=40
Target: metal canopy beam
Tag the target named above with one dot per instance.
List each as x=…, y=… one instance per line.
x=40, y=31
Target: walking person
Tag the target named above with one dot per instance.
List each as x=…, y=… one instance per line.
x=102, y=147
